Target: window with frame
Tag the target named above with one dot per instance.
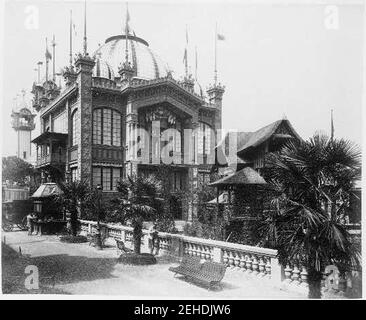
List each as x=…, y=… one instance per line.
x=204, y=138
x=74, y=128
x=107, y=125
x=107, y=177
x=97, y=126
x=74, y=174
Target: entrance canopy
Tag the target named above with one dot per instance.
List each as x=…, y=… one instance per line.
x=47, y=190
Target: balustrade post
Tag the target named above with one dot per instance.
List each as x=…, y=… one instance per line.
x=276, y=271
x=304, y=277
x=288, y=272
x=145, y=243
x=176, y=247
x=296, y=274
x=255, y=265
x=248, y=264
x=262, y=269
x=89, y=228
x=217, y=255
x=242, y=264
x=237, y=260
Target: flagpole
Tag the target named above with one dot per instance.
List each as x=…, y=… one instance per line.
x=39, y=63
x=70, y=38
x=85, y=39
x=215, y=71
x=46, y=60
x=195, y=71
x=126, y=32
x=186, y=62
x=53, y=59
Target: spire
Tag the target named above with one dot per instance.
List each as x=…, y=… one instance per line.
x=54, y=59
x=85, y=44
x=127, y=31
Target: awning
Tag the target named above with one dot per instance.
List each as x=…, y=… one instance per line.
x=47, y=190
x=46, y=136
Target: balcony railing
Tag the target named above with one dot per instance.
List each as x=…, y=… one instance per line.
x=51, y=159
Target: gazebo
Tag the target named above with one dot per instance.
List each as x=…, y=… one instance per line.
x=246, y=190
x=246, y=179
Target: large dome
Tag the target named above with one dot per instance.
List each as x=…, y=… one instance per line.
x=147, y=64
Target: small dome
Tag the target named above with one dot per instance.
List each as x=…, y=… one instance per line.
x=147, y=63
x=102, y=69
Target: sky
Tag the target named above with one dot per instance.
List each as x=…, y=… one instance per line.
x=279, y=59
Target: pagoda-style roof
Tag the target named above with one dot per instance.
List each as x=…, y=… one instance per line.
x=254, y=139
x=48, y=135
x=246, y=176
x=47, y=190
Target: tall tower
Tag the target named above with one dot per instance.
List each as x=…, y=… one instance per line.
x=23, y=124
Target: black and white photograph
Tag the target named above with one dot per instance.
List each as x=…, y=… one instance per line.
x=170, y=150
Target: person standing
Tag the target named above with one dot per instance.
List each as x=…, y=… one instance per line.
x=153, y=239
x=30, y=218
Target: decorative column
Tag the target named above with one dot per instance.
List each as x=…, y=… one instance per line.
x=84, y=65
x=131, y=139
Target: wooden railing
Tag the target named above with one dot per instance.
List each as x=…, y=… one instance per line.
x=254, y=261
x=54, y=158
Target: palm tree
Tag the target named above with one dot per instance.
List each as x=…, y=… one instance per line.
x=313, y=180
x=74, y=196
x=137, y=203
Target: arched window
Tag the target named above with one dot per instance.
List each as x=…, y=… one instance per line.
x=107, y=124
x=204, y=138
x=74, y=128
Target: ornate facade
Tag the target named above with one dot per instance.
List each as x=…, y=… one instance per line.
x=115, y=116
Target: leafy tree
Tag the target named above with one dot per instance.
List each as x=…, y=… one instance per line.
x=138, y=202
x=75, y=195
x=313, y=180
x=16, y=170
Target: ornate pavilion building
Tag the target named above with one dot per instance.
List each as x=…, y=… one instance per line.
x=89, y=128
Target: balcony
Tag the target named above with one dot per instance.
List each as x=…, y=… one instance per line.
x=53, y=159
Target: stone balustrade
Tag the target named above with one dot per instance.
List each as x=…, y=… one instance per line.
x=256, y=261
x=249, y=260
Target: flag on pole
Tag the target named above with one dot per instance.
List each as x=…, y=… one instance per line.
x=74, y=28
x=127, y=15
x=185, y=55
x=47, y=54
x=220, y=37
